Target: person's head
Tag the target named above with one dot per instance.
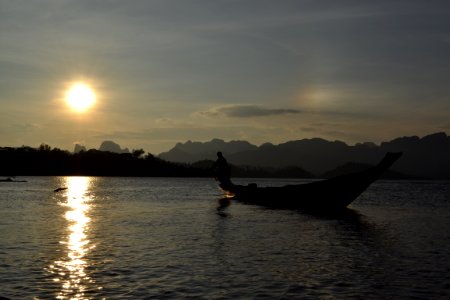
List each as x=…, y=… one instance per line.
x=219, y=154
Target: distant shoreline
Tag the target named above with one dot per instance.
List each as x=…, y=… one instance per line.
x=55, y=162
x=47, y=161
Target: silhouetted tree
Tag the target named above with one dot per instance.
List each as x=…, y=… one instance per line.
x=137, y=153
x=44, y=147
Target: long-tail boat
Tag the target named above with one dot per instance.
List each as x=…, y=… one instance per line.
x=330, y=194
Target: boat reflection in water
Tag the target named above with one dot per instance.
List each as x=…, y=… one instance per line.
x=70, y=269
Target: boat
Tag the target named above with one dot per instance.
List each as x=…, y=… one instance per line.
x=9, y=179
x=324, y=195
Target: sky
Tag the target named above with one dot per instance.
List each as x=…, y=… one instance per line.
x=169, y=71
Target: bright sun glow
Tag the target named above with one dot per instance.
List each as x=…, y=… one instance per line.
x=80, y=97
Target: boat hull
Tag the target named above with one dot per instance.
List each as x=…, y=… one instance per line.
x=331, y=194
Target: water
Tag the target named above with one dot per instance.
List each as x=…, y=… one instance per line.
x=168, y=238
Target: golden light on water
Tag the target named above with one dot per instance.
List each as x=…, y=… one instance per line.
x=80, y=97
x=70, y=270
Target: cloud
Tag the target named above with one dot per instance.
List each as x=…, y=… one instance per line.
x=22, y=128
x=246, y=111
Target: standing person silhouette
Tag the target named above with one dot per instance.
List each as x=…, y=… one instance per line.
x=222, y=169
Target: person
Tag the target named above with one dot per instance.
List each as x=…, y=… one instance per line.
x=221, y=169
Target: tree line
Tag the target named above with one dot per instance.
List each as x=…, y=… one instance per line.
x=48, y=161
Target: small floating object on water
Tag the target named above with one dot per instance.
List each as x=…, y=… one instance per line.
x=60, y=189
x=9, y=179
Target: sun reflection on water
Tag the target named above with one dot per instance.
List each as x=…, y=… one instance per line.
x=70, y=270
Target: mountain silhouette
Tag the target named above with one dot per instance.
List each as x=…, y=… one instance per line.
x=78, y=148
x=426, y=157
x=107, y=146
x=111, y=146
x=190, y=152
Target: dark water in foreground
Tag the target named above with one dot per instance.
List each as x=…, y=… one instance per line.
x=163, y=238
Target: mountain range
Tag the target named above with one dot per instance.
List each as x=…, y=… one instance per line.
x=425, y=157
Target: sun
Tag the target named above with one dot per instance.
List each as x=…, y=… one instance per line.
x=80, y=97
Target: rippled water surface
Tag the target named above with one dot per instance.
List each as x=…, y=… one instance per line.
x=163, y=238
